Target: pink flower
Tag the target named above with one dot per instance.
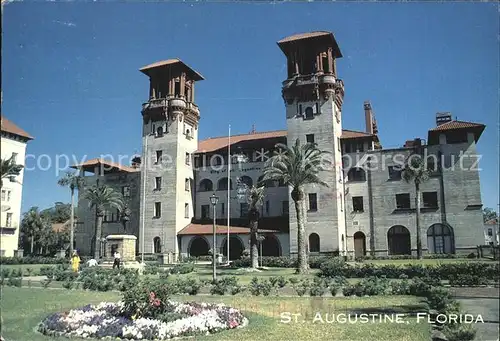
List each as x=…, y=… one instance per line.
x=151, y=296
x=233, y=324
x=156, y=302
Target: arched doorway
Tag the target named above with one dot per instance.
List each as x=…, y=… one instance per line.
x=440, y=239
x=398, y=240
x=313, y=242
x=156, y=245
x=235, y=247
x=359, y=244
x=198, y=247
x=271, y=246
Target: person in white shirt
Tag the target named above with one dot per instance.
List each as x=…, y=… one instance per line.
x=116, y=263
x=91, y=263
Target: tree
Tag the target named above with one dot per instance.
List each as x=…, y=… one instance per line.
x=59, y=213
x=255, y=198
x=73, y=181
x=32, y=226
x=101, y=198
x=296, y=167
x=489, y=214
x=415, y=170
x=9, y=169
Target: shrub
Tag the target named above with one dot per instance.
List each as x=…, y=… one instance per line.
x=471, y=255
x=255, y=286
x=439, y=298
x=32, y=260
x=282, y=281
x=190, y=286
x=274, y=281
x=46, y=283
x=15, y=281
x=5, y=273
x=302, y=287
x=47, y=271
x=349, y=290
x=467, y=280
x=68, y=284
x=236, y=289
x=222, y=285
x=183, y=268
x=151, y=270
x=401, y=287
x=332, y=268
x=460, y=332
x=318, y=287
x=265, y=287
x=294, y=281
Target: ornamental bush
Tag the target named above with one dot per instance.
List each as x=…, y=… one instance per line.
x=183, y=268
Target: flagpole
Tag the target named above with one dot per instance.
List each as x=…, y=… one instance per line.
x=228, y=187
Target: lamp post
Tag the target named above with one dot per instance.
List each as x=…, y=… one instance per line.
x=260, y=238
x=214, y=200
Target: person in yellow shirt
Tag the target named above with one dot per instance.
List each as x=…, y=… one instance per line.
x=75, y=262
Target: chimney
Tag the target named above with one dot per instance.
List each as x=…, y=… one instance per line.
x=442, y=118
x=368, y=117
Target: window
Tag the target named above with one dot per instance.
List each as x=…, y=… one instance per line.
x=8, y=222
x=356, y=174
x=300, y=109
x=159, y=155
x=206, y=185
x=153, y=128
x=357, y=204
x=4, y=195
x=188, y=159
x=156, y=245
x=309, y=113
x=490, y=232
x=394, y=172
x=341, y=203
x=360, y=147
x=205, y=211
x=186, y=184
x=313, y=203
x=430, y=199
x=159, y=132
x=126, y=191
x=310, y=138
x=403, y=201
x=186, y=210
x=347, y=147
x=243, y=210
x=326, y=65
x=158, y=183
x=284, y=207
x=317, y=108
x=177, y=88
x=157, y=213
x=267, y=207
x=222, y=184
x=338, y=144
x=14, y=157
x=222, y=208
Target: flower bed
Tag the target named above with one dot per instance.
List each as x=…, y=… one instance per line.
x=109, y=320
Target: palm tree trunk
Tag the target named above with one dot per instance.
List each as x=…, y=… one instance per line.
x=98, y=232
x=302, y=262
x=417, y=221
x=254, y=251
x=32, y=243
x=72, y=223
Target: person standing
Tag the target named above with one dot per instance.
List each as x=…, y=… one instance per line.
x=75, y=262
x=116, y=263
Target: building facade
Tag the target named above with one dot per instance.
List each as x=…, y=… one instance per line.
x=366, y=209
x=13, y=144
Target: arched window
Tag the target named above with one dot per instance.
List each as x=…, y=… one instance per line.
x=398, y=240
x=206, y=185
x=313, y=242
x=198, y=247
x=246, y=180
x=157, y=245
x=222, y=184
x=440, y=239
x=309, y=113
x=356, y=174
x=359, y=244
x=159, y=132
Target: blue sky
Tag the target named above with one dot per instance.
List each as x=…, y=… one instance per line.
x=70, y=71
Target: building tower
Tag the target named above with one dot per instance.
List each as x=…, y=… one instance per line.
x=170, y=137
x=313, y=98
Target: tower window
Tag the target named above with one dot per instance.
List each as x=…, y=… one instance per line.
x=285, y=207
x=158, y=183
x=357, y=204
x=300, y=109
x=326, y=65
x=313, y=202
x=310, y=138
x=205, y=211
x=159, y=132
x=186, y=210
x=159, y=155
x=177, y=88
x=8, y=221
x=394, y=172
x=186, y=184
x=430, y=199
x=309, y=113
x=157, y=213
x=403, y=201
x=222, y=211
x=268, y=207
x=188, y=159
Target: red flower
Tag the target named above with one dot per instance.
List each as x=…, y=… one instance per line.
x=233, y=324
x=151, y=295
x=156, y=302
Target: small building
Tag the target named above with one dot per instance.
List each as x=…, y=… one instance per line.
x=491, y=232
x=13, y=145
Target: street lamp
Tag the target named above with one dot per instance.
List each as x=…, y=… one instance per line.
x=260, y=239
x=214, y=200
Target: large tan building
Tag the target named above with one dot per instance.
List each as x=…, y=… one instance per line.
x=13, y=144
x=366, y=209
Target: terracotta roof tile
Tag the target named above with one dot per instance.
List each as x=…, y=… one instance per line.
x=457, y=125
x=9, y=127
x=105, y=164
x=196, y=75
x=491, y=222
x=199, y=229
x=305, y=35
x=216, y=143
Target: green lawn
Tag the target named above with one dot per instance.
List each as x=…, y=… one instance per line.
x=423, y=261
x=23, y=308
x=35, y=268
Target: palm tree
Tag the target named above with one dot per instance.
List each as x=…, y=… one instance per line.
x=73, y=181
x=415, y=170
x=102, y=197
x=9, y=169
x=32, y=225
x=296, y=167
x=255, y=198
